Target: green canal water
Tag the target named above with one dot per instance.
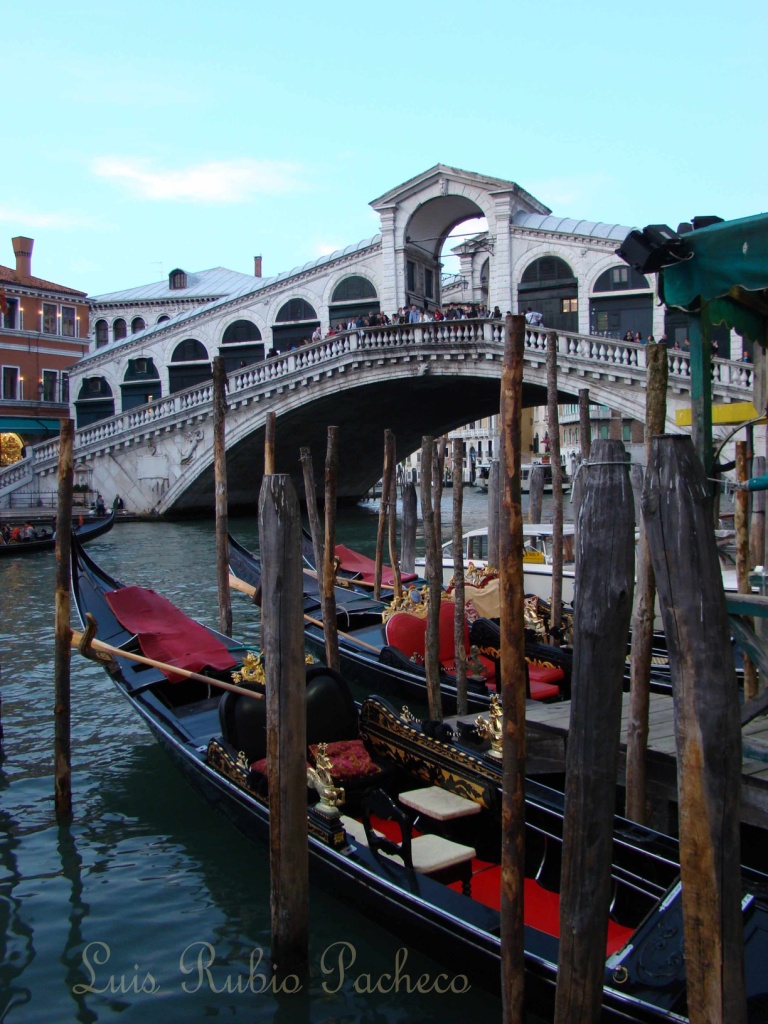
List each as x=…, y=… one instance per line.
x=108, y=918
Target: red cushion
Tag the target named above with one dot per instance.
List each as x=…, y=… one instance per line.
x=260, y=766
x=545, y=673
x=350, y=760
x=407, y=633
x=447, y=646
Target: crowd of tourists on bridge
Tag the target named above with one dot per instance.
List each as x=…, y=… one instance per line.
x=413, y=315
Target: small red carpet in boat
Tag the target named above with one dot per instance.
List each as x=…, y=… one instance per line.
x=167, y=634
x=353, y=561
x=542, y=907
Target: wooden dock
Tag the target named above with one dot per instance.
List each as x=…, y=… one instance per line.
x=547, y=728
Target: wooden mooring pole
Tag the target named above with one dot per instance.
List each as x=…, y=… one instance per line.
x=605, y=564
x=329, y=561
x=585, y=444
x=270, y=429
x=678, y=517
x=741, y=526
x=493, y=515
x=431, y=653
x=386, y=483
x=410, y=521
x=535, y=492
x=220, y=488
x=556, y=613
x=458, y=577
x=394, y=559
x=657, y=363
x=511, y=591
x=315, y=526
x=62, y=747
x=282, y=632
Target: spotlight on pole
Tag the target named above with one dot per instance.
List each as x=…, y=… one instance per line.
x=652, y=248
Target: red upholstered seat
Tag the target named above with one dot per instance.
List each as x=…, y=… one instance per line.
x=365, y=567
x=408, y=633
x=544, y=680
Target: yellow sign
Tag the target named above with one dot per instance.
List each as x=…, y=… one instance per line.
x=722, y=415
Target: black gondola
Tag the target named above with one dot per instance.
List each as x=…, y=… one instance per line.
x=453, y=916
x=89, y=530
x=369, y=658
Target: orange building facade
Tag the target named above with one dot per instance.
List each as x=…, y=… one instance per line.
x=43, y=332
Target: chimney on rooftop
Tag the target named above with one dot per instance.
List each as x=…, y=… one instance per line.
x=257, y=266
x=22, y=248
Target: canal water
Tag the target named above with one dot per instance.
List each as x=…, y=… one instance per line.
x=116, y=915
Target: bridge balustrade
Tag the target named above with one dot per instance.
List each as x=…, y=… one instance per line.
x=573, y=349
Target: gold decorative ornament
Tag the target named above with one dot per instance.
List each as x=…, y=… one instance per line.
x=491, y=727
x=320, y=779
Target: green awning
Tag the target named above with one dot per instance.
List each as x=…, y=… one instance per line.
x=726, y=277
x=24, y=425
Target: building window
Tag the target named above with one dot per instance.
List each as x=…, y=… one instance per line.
x=188, y=351
x=94, y=385
x=119, y=329
x=48, y=385
x=12, y=314
x=569, y=306
x=617, y=279
x=353, y=289
x=11, y=382
x=68, y=321
x=49, y=318
x=177, y=279
x=295, y=309
x=137, y=324
x=601, y=320
x=429, y=284
x=619, y=276
x=626, y=432
x=410, y=268
x=102, y=333
x=64, y=387
x=163, y=319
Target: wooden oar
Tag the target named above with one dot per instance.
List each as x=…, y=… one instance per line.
x=117, y=652
x=246, y=588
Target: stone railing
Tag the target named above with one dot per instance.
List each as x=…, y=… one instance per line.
x=573, y=349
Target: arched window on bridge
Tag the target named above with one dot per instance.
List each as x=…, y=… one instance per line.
x=190, y=365
x=119, y=329
x=95, y=401
x=137, y=324
x=353, y=297
x=163, y=319
x=141, y=383
x=621, y=301
x=101, y=330
x=549, y=286
x=293, y=325
x=241, y=345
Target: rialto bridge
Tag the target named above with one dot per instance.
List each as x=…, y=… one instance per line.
x=420, y=379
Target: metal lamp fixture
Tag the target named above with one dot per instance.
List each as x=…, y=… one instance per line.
x=654, y=247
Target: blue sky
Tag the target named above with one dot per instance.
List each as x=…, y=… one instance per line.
x=142, y=136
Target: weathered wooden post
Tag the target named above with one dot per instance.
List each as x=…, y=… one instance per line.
x=556, y=614
x=270, y=429
x=220, y=488
x=458, y=578
x=62, y=750
x=330, y=625
x=410, y=517
x=512, y=921
x=386, y=484
x=282, y=632
x=315, y=526
x=431, y=652
x=585, y=428
x=678, y=521
x=741, y=526
x=438, y=478
x=493, y=515
x=585, y=443
x=605, y=563
x=393, y=556
x=535, y=492
x=657, y=373
x=757, y=524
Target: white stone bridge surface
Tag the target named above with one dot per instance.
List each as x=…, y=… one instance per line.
x=418, y=379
